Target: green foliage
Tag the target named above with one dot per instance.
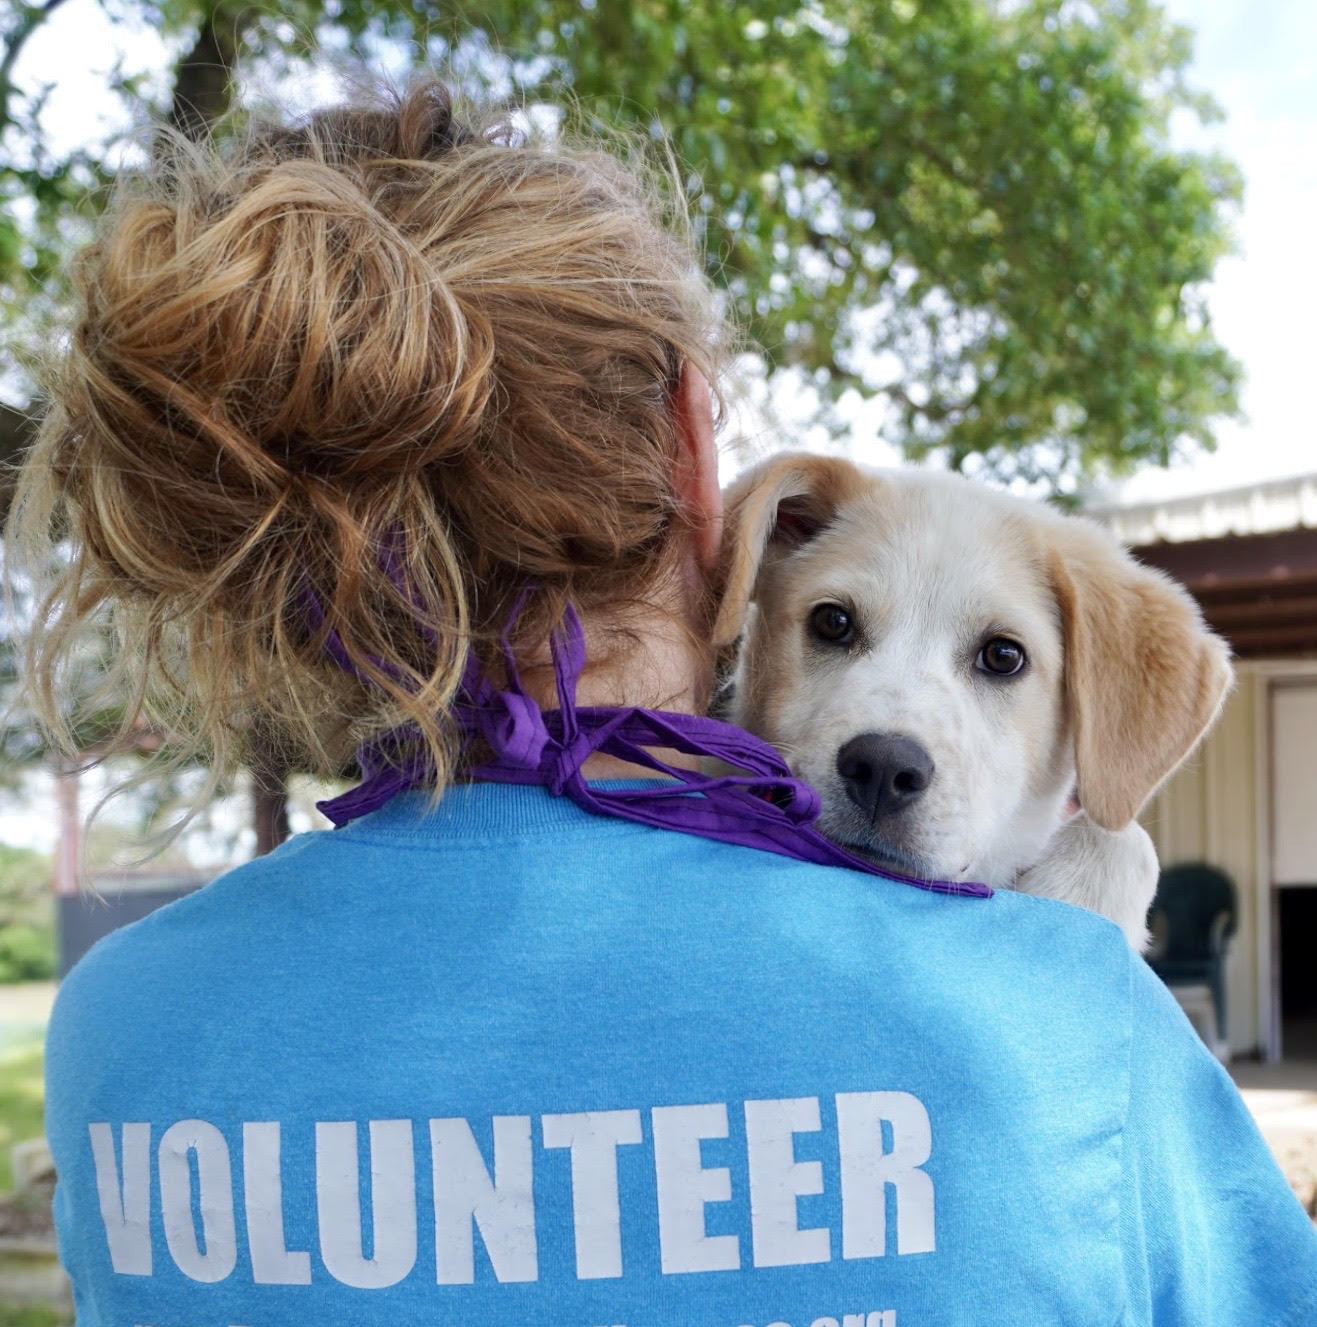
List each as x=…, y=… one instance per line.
x=93, y=715
x=31, y=1315
x=971, y=209
x=968, y=209
x=24, y=885
x=27, y=953
x=22, y=1100
x=27, y=931
x=45, y=200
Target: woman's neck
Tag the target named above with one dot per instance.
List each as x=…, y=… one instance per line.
x=659, y=664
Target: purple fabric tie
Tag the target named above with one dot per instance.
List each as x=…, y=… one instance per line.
x=766, y=807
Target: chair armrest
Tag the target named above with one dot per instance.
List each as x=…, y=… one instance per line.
x=1218, y=932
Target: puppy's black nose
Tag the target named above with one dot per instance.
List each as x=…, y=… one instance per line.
x=883, y=772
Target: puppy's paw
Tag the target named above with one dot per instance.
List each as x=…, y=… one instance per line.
x=1112, y=872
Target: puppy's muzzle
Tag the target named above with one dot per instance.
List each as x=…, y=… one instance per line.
x=884, y=773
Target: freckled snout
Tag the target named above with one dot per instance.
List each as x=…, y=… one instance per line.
x=884, y=772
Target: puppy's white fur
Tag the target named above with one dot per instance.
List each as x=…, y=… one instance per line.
x=1121, y=681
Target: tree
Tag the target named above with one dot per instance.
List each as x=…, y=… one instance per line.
x=27, y=941
x=53, y=193
x=46, y=200
x=967, y=209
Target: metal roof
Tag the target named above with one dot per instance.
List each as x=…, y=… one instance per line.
x=1267, y=508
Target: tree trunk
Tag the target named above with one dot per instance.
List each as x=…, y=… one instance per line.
x=17, y=429
x=269, y=795
x=203, y=82
x=203, y=93
x=68, y=847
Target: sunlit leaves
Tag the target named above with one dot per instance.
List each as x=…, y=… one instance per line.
x=970, y=209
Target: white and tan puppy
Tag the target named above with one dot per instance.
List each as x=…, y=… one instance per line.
x=957, y=671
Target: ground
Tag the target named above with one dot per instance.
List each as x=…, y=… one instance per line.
x=31, y=1315
x=23, y=1012
x=1283, y=1100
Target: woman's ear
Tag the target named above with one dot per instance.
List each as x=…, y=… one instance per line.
x=780, y=504
x=1144, y=678
x=697, y=468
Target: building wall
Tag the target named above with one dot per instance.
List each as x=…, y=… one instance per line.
x=1218, y=808
x=1209, y=811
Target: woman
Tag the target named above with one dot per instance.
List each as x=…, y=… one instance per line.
x=359, y=421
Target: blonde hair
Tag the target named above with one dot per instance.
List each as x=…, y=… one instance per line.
x=381, y=362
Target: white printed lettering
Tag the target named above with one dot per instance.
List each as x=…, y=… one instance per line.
x=685, y=1188
x=777, y=1180
x=214, y=1199
x=594, y=1138
x=262, y=1187
x=125, y=1196
x=464, y=1195
x=866, y=1170
x=883, y=1143
x=392, y=1203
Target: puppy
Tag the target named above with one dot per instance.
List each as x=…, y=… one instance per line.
x=979, y=687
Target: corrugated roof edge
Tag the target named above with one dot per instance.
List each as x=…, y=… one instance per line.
x=1266, y=508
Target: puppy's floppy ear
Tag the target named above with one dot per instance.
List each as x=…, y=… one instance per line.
x=1144, y=678
x=781, y=503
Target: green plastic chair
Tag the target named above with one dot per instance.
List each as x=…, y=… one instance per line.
x=1192, y=919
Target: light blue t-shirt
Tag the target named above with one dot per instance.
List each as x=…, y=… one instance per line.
x=510, y=1065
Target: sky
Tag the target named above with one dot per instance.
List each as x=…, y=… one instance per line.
x=1257, y=58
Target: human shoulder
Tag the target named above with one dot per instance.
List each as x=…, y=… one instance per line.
x=134, y=956
x=1007, y=970
x=1007, y=931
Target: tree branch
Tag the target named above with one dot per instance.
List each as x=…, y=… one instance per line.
x=269, y=805
x=30, y=19
x=203, y=83
x=17, y=430
x=937, y=412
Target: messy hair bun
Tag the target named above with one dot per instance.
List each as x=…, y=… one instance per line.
x=385, y=360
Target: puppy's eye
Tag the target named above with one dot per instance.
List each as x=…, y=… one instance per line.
x=832, y=624
x=1002, y=657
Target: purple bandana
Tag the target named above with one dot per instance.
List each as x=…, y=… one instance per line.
x=766, y=808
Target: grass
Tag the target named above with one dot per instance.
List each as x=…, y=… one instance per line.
x=30, y=1315
x=21, y=1103
x=21, y=1099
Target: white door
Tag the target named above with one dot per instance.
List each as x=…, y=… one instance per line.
x=1294, y=784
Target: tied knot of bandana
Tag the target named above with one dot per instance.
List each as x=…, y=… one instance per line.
x=513, y=726
x=568, y=765
x=761, y=806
